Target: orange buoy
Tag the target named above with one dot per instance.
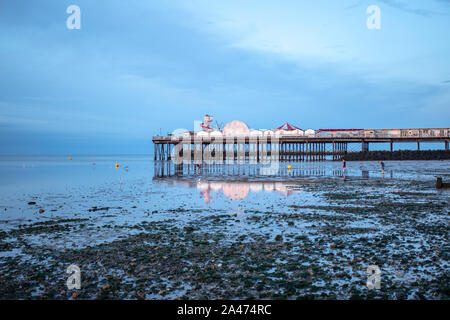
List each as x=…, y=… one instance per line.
x=117, y=165
x=70, y=158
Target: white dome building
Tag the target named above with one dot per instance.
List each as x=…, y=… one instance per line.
x=236, y=128
x=216, y=133
x=202, y=134
x=180, y=132
x=254, y=133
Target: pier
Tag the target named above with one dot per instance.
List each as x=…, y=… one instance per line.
x=319, y=147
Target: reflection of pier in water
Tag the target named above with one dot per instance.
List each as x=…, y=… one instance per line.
x=169, y=169
x=210, y=182
x=234, y=190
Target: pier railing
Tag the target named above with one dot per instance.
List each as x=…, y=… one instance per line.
x=318, y=147
x=370, y=133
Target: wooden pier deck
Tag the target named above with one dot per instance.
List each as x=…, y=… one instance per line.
x=284, y=148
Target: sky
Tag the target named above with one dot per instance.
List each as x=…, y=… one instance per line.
x=136, y=69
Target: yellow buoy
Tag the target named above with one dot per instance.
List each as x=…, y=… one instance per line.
x=117, y=165
x=289, y=167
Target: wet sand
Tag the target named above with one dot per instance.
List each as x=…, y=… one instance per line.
x=136, y=236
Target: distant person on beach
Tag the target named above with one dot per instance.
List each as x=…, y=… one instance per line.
x=382, y=166
x=344, y=165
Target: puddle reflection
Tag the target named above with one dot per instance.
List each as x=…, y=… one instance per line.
x=236, y=190
x=298, y=170
x=236, y=182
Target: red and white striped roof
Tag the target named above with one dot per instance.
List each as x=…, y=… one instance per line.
x=288, y=127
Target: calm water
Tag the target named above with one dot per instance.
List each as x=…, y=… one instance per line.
x=37, y=174
x=64, y=187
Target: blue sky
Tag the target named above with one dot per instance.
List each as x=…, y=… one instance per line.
x=140, y=67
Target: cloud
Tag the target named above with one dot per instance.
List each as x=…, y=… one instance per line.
x=133, y=70
x=400, y=5
x=437, y=104
x=355, y=5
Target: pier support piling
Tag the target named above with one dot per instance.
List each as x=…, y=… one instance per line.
x=365, y=146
